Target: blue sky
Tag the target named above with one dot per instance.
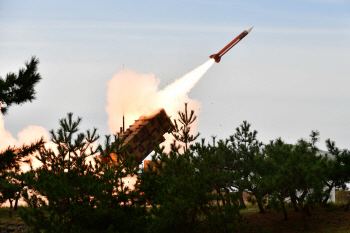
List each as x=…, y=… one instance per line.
x=288, y=76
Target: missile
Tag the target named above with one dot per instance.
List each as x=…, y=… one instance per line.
x=217, y=57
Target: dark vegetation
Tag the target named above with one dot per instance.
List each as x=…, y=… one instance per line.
x=196, y=187
x=16, y=89
x=331, y=219
x=19, y=88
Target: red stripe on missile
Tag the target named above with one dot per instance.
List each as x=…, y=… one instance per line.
x=217, y=57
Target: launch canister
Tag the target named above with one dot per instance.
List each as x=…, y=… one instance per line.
x=217, y=57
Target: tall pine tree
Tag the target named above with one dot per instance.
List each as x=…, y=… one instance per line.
x=16, y=89
x=247, y=161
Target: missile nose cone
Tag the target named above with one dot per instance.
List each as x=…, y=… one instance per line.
x=249, y=29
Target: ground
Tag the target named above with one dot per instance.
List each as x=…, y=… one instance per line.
x=331, y=219
x=14, y=223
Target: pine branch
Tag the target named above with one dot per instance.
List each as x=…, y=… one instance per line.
x=18, y=89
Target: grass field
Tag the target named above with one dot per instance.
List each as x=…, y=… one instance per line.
x=331, y=219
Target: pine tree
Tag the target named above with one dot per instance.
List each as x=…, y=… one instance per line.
x=280, y=189
x=248, y=163
x=19, y=88
x=337, y=169
x=11, y=177
x=16, y=89
x=297, y=172
x=183, y=133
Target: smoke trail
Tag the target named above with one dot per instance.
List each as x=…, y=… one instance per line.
x=183, y=85
x=138, y=94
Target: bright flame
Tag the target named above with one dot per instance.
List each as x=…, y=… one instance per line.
x=137, y=94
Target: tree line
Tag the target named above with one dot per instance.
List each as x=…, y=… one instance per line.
x=195, y=187
x=216, y=175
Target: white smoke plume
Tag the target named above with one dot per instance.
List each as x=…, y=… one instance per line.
x=134, y=95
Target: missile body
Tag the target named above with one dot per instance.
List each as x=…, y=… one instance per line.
x=217, y=57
